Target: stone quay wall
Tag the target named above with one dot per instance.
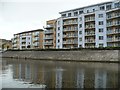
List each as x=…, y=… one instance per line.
x=81, y=55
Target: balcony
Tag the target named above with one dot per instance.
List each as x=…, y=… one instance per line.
x=70, y=30
x=36, y=44
x=48, y=32
x=89, y=33
x=49, y=26
x=113, y=31
x=113, y=16
x=70, y=23
x=70, y=42
x=90, y=41
x=36, y=35
x=70, y=36
x=36, y=39
x=23, y=40
x=90, y=46
x=89, y=26
x=50, y=37
x=113, y=39
x=90, y=19
x=48, y=43
x=113, y=24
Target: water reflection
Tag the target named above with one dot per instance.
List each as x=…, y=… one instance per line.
x=53, y=74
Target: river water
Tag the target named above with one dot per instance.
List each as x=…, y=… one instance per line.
x=19, y=73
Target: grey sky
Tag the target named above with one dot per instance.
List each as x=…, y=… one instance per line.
x=23, y=15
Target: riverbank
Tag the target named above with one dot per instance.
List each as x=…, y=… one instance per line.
x=81, y=55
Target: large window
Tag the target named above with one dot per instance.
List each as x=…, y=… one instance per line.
x=100, y=30
x=80, y=32
x=117, y=5
x=81, y=12
x=101, y=22
x=80, y=26
x=69, y=14
x=58, y=28
x=101, y=37
x=63, y=15
x=102, y=7
x=75, y=13
x=100, y=15
x=80, y=39
x=108, y=7
x=58, y=40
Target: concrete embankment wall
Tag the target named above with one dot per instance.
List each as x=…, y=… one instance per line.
x=82, y=55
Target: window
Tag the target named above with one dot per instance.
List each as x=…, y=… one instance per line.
x=63, y=15
x=93, y=10
x=100, y=15
x=101, y=38
x=69, y=14
x=58, y=46
x=28, y=38
x=81, y=12
x=58, y=40
x=58, y=28
x=87, y=11
x=117, y=5
x=101, y=45
x=58, y=34
x=80, y=18
x=108, y=7
x=80, y=25
x=80, y=46
x=101, y=23
x=80, y=39
x=102, y=8
x=75, y=13
x=58, y=22
x=100, y=29
x=80, y=32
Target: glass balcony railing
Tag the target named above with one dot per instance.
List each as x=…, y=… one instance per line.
x=48, y=37
x=113, y=31
x=48, y=43
x=48, y=32
x=90, y=19
x=89, y=33
x=113, y=39
x=70, y=30
x=90, y=41
x=70, y=22
x=70, y=42
x=69, y=36
x=116, y=15
x=89, y=26
x=113, y=24
x=49, y=26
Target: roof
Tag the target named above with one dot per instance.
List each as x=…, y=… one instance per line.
x=85, y=7
x=30, y=31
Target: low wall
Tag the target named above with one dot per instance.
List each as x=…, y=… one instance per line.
x=81, y=55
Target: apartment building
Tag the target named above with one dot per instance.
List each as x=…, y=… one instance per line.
x=28, y=40
x=88, y=27
x=5, y=45
x=50, y=34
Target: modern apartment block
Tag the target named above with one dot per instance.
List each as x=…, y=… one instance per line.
x=88, y=27
x=5, y=45
x=28, y=40
x=50, y=34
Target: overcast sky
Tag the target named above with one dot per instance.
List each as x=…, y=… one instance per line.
x=23, y=15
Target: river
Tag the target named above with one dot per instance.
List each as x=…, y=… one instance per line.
x=20, y=73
